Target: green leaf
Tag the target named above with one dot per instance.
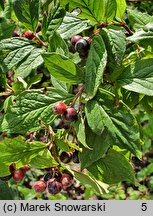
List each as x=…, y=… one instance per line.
x=23, y=57
x=63, y=146
x=80, y=131
x=116, y=118
x=95, y=66
x=34, y=80
x=42, y=160
x=58, y=45
x=14, y=43
x=16, y=56
x=96, y=11
x=115, y=42
x=29, y=109
x=113, y=168
x=63, y=143
x=6, y=191
x=72, y=25
x=138, y=77
x=121, y=7
x=62, y=68
x=29, y=63
x=97, y=147
x=60, y=85
x=144, y=36
x=138, y=19
x=17, y=150
x=6, y=30
x=53, y=19
x=2, y=4
x=27, y=12
x=87, y=180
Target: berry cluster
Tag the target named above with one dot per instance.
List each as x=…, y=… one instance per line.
x=69, y=113
x=16, y=174
x=81, y=45
x=54, y=181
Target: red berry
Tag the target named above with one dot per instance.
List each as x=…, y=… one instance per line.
x=25, y=168
x=18, y=175
x=66, y=181
x=75, y=39
x=59, y=108
x=54, y=186
x=70, y=114
x=40, y=186
x=29, y=34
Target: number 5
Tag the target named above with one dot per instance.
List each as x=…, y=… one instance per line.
x=144, y=206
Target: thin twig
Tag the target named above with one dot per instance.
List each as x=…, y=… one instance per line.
x=40, y=41
x=52, y=145
x=77, y=95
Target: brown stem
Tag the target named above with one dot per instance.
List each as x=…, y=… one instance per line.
x=127, y=28
x=52, y=145
x=100, y=27
x=78, y=95
x=40, y=41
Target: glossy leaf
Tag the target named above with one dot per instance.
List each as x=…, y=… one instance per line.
x=62, y=68
x=138, y=19
x=53, y=19
x=23, y=57
x=72, y=25
x=121, y=7
x=80, y=131
x=6, y=30
x=97, y=147
x=58, y=45
x=27, y=12
x=87, y=180
x=138, y=77
x=14, y=43
x=19, y=151
x=113, y=168
x=114, y=116
x=95, y=66
x=144, y=37
x=115, y=42
x=31, y=62
x=96, y=11
x=30, y=109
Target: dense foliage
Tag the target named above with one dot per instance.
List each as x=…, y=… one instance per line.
x=76, y=99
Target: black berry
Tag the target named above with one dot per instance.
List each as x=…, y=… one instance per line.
x=75, y=157
x=54, y=186
x=48, y=176
x=82, y=46
x=66, y=157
